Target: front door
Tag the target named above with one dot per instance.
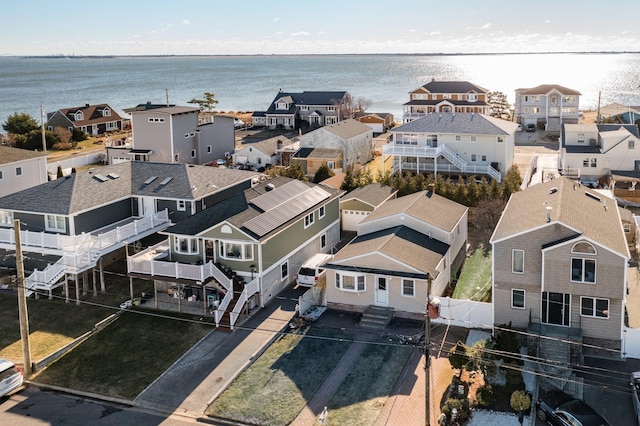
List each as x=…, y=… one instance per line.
x=382, y=291
x=147, y=206
x=555, y=308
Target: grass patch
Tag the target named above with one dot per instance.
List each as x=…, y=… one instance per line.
x=124, y=358
x=277, y=386
x=52, y=324
x=363, y=393
x=474, y=282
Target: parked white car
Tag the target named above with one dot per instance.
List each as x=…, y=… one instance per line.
x=635, y=393
x=237, y=123
x=11, y=377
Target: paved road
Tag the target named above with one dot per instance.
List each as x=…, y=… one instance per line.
x=31, y=407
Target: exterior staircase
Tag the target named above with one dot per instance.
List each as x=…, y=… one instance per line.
x=376, y=317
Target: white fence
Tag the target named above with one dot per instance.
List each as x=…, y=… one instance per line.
x=465, y=313
x=631, y=342
x=76, y=161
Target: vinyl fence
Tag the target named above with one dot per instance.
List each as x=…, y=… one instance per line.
x=76, y=161
x=465, y=313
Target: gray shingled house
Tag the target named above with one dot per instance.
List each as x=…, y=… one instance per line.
x=77, y=221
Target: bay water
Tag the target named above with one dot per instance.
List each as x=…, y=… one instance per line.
x=249, y=83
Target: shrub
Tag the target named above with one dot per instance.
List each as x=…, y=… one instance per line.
x=63, y=146
x=485, y=396
x=520, y=401
x=462, y=407
x=513, y=377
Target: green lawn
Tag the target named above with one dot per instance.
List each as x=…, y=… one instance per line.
x=363, y=393
x=474, y=282
x=277, y=386
x=125, y=357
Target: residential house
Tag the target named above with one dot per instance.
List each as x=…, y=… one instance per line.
x=401, y=246
x=261, y=154
x=288, y=108
x=311, y=159
x=94, y=120
x=242, y=253
x=74, y=222
x=361, y=202
x=446, y=96
x=174, y=134
x=352, y=137
x=379, y=122
x=559, y=270
x=548, y=106
x=590, y=151
x=21, y=169
x=453, y=143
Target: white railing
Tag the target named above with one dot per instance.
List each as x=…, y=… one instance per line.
x=226, y=300
x=249, y=290
x=400, y=149
x=81, y=252
x=452, y=156
x=138, y=264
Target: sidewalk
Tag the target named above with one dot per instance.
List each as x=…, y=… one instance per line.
x=204, y=372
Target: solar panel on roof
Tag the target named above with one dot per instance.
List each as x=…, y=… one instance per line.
x=279, y=195
x=166, y=181
x=273, y=218
x=151, y=179
x=101, y=178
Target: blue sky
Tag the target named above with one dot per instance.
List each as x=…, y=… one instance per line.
x=162, y=27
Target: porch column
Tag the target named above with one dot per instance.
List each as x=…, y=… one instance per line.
x=85, y=282
x=204, y=299
x=66, y=288
x=77, y=277
x=131, y=289
x=95, y=284
x=102, y=286
x=179, y=298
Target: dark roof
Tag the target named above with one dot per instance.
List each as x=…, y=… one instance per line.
x=445, y=101
x=400, y=243
x=460, y=123
x=92, y=114
x=10, y=154
x=453, y=87
x=238, y=210
x=173, y=110
x=146, y=107
x=543, y=89
x=305, y=98
x=318, y=153
x=85, y=190
x=259, y=114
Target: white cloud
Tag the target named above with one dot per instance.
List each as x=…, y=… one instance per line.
x=548, y=21
x=323, y=32
x=300, y=33
x=413, y=30
x=276, y=19
x=486, y=26
x=434, y=33
x=186, y=22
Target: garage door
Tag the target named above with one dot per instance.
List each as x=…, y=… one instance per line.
x=351, y=218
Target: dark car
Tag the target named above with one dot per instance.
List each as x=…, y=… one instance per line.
x=531, y=127
x=559, y=409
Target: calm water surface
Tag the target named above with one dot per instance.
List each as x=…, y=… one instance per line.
x=248, y=83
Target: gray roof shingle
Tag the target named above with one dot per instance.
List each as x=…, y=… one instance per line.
x=10, y=154
x=373, y=194
x=458, y=123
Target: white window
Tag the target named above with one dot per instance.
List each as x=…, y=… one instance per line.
x=517, y=298
x=193, y=153
x=186, y=245
x=580, y=137
x=350, y=282
x=472, y=97
x=323, y=241
x=55, y=223
x=408, y=288
x=632, y=144
x=517, y=261
x=6, y=218
x=304, y=107
x=308, y=220
x=458, y=138
x=208, y=149
x=474, y=138
x=331, y=165
x=106, y=112
x=321, y=212
x=594, y=162
x=331, y=108
x=18, y=171
x=500, y=139
x=473, y=157
x=408, y=139
x=182, y=205
x=484, y=158
x=583, y=270
x=284, y=270
x=235, y=250
x=592, y=307
x=626, y=227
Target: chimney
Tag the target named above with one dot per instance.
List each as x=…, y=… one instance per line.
x=432, y=188
x=86, y=105
x=548, y=214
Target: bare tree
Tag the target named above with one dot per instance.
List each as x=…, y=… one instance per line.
x=350, y=107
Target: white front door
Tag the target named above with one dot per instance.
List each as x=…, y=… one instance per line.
x=382, y=291
x=147, y=206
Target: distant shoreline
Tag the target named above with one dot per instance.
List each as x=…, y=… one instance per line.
x=315, y=54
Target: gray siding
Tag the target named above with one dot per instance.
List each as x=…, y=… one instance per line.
x=103, y=216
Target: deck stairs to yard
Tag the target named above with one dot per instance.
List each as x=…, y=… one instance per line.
x=376, y=317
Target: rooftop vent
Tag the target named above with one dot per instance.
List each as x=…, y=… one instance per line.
x=270, y=187
x=553, y=190
x=548, y=214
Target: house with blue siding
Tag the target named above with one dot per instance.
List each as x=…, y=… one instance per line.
x=71, y=224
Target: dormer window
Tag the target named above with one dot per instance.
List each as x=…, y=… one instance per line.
x=79, y=116
x=331, y=108
x=472, y=97
x=304, y=108
x=282, y=106
x=106, y=112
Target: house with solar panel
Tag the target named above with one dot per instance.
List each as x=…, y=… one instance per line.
x=401, y=246
x=227, y=261
x=74, y=225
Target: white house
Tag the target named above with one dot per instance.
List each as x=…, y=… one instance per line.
x=21, y=169
x=261, y=154
x=547, y=106
x=454, y=143
x=589, y=151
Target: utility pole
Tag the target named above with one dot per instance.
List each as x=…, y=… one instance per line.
x=44, y=138
x=427, y=357
x=22, y=301
x=166, y=92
